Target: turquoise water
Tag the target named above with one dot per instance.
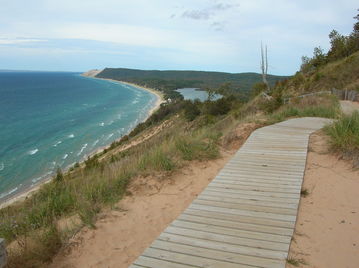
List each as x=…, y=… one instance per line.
x=50, y=120
x=194, y=93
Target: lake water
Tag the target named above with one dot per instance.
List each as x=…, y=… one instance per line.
x=54, y=119
x=194, y=93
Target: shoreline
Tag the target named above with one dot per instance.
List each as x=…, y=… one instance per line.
x=29, y=191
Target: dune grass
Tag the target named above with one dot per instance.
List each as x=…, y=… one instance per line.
x=316, y=106
x=344, y=135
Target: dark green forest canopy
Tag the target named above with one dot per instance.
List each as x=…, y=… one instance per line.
x=171, y=80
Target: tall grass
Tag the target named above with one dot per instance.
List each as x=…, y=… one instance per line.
x=344, y=134
x=317, y=106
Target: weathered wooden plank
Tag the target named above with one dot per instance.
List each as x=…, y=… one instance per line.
x=250, y=207
x=231, y=200
x=243, y=203
x=218, y=255
x=203, y=218
x=229, y=231
x=145, y=261
x=229, y=239
x=176, y=257
x=240, y=218
x=250, y=196
x=260, y=174
x=268, y=179
x=264, y=253
x=254, y=187
x=263, y=171
x=254, y=182
x=264, y=215
x=269, y=194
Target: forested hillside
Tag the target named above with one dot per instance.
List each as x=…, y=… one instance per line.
x=170, y=80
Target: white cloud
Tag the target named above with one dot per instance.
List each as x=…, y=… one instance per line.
x=14, y=41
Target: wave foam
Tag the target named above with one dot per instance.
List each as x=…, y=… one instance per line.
x=65, y=156
x=96, y=141
x=101, y=124
x=9, y=192
x=71, y=136
x=109, y=136
x=82, y=149
x=32, y=152
x=2, y=166
x=57, y=143
x=41, y=177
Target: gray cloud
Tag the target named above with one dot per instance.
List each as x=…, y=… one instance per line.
x=218, y=25
x=197, y=14
x=207, y=13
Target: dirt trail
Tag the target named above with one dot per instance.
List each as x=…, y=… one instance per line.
x=348, y=107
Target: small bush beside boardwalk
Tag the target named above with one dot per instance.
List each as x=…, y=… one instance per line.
x=344, y=137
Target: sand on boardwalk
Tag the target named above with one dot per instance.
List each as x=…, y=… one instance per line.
x=327, y=228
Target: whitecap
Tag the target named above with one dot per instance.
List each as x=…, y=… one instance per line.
x=71, y=136
x=119, y=116
x=82, y=149
x=135, y=101
x=65, y=156
x=9, y=192
x=109, y=136
x=57, y=143
x=2, y=166
x=96, y=141
x=101, y=124
x=32, y=152
x=111, y=122
x=41, y=177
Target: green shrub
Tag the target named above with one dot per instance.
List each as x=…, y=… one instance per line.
x=157, y=160
x=191, y=110
x=344, y=133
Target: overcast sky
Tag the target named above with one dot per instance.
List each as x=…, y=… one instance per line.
x=74, y=35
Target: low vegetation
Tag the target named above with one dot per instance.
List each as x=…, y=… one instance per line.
x=344, y=136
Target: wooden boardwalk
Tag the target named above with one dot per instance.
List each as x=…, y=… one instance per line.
x=246, y=215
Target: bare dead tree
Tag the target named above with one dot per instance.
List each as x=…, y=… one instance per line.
x=264, y=68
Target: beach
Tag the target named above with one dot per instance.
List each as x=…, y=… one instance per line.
x=28, y=191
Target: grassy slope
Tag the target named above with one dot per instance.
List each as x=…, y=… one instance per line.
x=342, y=74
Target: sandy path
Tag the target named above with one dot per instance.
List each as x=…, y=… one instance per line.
x=327, y=229
x=348, y=107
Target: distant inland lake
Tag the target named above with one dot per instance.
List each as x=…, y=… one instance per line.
x=196, y=93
